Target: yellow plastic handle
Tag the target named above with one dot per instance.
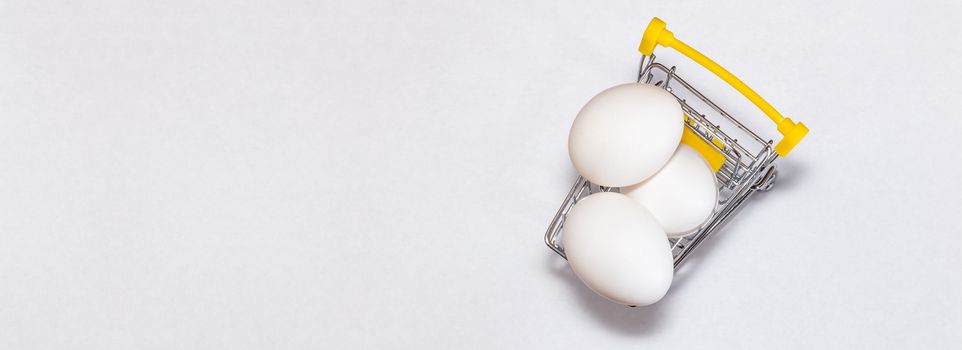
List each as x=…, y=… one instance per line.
x=657, y=34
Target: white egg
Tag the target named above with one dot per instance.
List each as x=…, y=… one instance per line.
x=625, y=134
x=682, y=195
x=618, y=249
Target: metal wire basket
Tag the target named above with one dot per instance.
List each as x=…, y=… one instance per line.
x=747, y=166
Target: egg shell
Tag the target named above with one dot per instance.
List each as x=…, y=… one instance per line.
x=625, y=134
x=682, y=195
x=618, y=249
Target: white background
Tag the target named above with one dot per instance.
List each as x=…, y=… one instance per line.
x=379, y=174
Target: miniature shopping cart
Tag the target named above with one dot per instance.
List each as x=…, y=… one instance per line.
x=742, y=167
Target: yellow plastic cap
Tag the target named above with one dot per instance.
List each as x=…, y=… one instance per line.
x=792, y=134
x=654, y=32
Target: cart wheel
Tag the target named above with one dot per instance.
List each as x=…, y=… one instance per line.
x=765, y=183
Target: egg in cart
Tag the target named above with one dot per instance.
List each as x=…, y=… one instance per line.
x=741, y=167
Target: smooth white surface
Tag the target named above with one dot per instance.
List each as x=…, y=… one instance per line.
x=618, y=248
x=377, y=174
x=625, y=134
x=682, y=195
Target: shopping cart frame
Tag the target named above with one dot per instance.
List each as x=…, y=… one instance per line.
x=742, y=172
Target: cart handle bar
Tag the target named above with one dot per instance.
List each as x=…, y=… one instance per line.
x=657, y=34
